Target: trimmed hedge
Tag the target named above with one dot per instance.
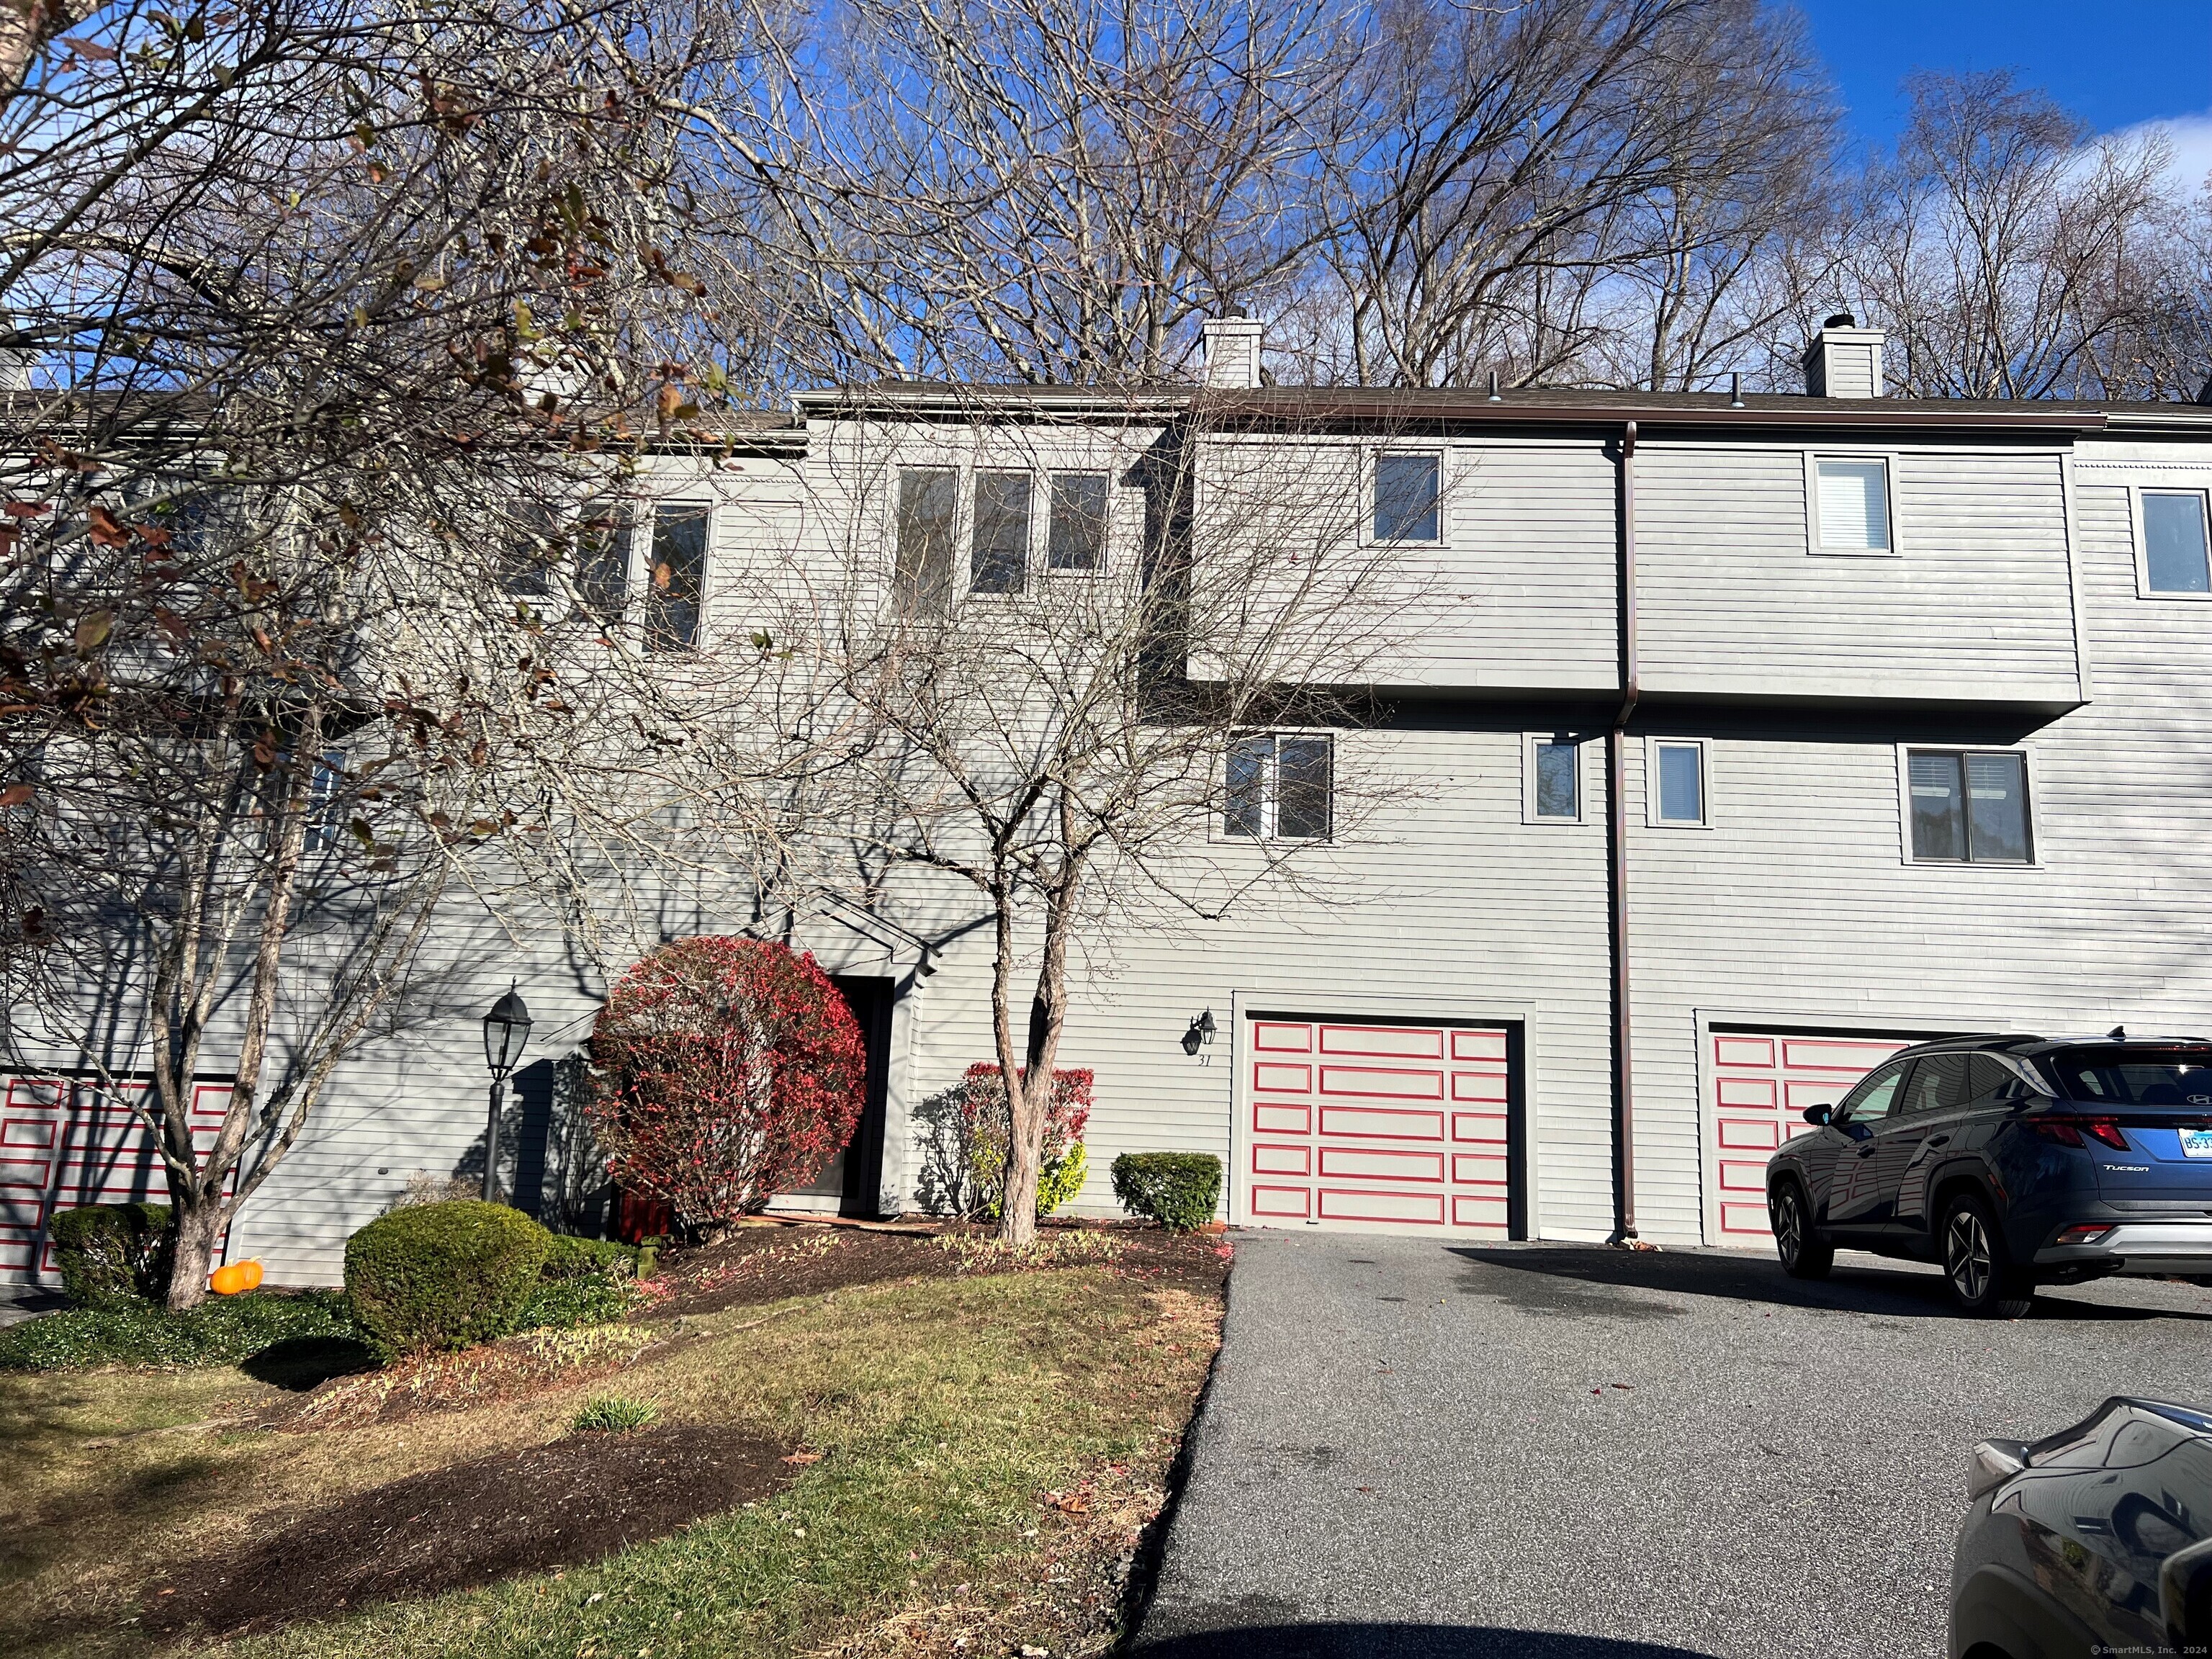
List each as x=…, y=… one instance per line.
x=1179, y=1190
x=112, y=1255
x=444, y=1275
x=220, y=1332
x=570, y=1257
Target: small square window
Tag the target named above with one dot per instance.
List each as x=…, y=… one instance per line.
x=1408, y=490
x=1969, y=807
x=2175, y=542
x=1555, y=780
x=1679, y=783
x=1077, y=537
x=998, y=562
x=1279, y=786
x=1853, y=503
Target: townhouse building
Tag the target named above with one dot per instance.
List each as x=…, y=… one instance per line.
x=1746, y=739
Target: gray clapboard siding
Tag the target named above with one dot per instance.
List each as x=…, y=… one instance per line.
x=1976, y=603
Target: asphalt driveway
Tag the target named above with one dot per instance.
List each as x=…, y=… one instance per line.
x=1562, y=1452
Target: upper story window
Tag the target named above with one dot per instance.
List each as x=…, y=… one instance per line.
x=1077, y=538
x=603, y=559
x=1850, y=506
x=2175, y=543
x=1279, y=786
x=928, y=516
x=1408, y=498
x=1678, y=783
x=676, y=581
x=1554, y=772
x=999, y=558
x=1969, y=807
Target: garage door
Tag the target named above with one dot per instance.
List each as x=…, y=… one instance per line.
x=1372, y=1125
x=1757, y=1086
x=65, y=1142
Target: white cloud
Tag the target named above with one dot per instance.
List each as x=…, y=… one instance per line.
x=2190, y=139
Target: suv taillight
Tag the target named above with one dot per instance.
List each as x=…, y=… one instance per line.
x=2069, y=1130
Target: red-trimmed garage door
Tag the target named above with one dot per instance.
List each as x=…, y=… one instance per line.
x=1757, y=1086
x=1369, y=1125
x=65, y=1142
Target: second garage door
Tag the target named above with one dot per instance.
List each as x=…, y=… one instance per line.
x=1375, y=1125
x=1757, y=1084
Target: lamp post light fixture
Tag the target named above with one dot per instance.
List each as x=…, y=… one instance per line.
x=1201, y=1031
x=506, y=1029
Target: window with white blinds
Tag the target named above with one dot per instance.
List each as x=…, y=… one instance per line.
x=1967, y=807
x=1854, y=504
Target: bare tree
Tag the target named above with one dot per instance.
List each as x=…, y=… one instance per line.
x=332, y=321
x=1518, y=157
x=2011, y=255
x=1054, y=191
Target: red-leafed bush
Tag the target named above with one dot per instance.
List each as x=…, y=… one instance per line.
x=730, y=1070
x=1060, y=1168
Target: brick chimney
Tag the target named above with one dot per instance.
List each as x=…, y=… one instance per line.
x=1843, y=361
x=1232, y=353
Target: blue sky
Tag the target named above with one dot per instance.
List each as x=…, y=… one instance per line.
x=2116, y=63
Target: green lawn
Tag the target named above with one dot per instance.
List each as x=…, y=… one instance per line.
x=945, y=1410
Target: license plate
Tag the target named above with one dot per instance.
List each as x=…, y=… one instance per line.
x=2196, y=1143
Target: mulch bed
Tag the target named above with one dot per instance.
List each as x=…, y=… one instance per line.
x=557, y=1505
x=768, y=1263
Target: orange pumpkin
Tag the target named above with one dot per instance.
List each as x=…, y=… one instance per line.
x=253, y=1272
x=227, y=1281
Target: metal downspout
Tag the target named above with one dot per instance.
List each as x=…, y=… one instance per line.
x=1616, y=747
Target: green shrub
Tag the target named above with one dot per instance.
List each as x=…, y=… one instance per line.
x=220, y=1332
x=1061, y=1178
x=112, y=1253
x=1176, y=1189
x=443, y=1275
x=595, y=1299
x=569, y=1257
x=614, y=1413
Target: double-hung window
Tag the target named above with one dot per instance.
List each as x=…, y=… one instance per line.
x=603, y=559
x=1968, y=806
x=675, y=581
x=1851, y=504
x=2174, y=542
x=1553, y=770
x=1279, y=786
x=1408, y=498
x=1677, y=788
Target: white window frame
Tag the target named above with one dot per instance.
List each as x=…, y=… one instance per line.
x=1905, y=853
x=1652, y=745
x=1528, y=813
x=2143, y=589
x=1216, y=814
x=1814, y=545
x=1368, y=458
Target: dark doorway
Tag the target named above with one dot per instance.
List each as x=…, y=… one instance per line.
x=870, y=999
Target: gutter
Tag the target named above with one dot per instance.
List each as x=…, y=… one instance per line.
x=1616, y=750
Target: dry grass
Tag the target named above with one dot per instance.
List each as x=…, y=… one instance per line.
x=1006, y=1434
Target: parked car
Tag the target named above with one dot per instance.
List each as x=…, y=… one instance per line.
x=2095, y=1540
x=2012, y=1161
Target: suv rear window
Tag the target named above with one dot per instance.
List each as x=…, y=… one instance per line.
x=2137, y=1077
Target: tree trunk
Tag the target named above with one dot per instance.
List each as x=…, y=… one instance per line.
x=1027, y=1104
x=197, y=1225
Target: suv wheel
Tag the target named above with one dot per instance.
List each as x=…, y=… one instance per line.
x=1804, y=1252
x=1982, y=1277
